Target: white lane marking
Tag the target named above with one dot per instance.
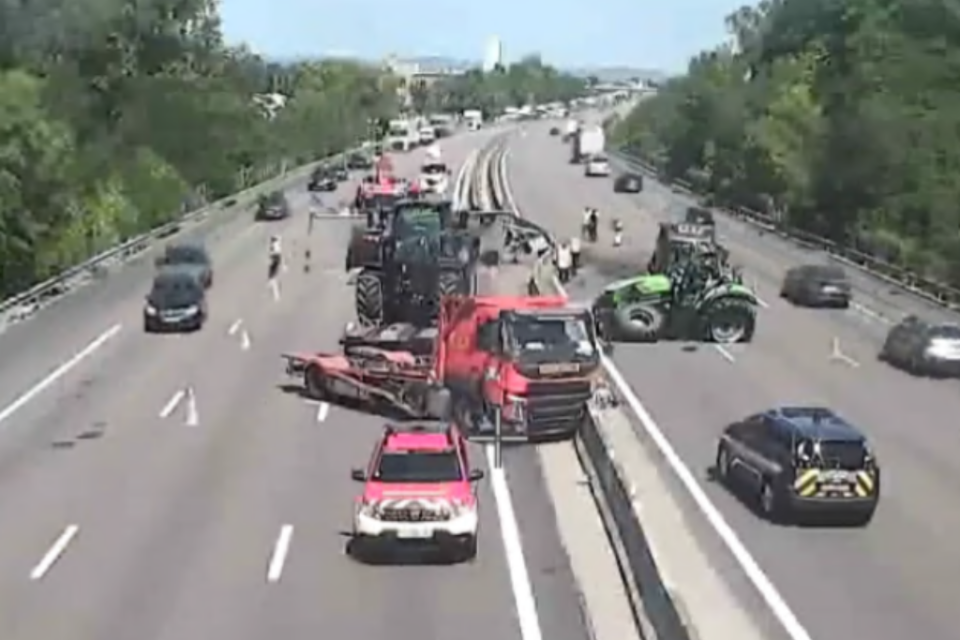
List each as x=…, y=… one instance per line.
x=323, y=409
x=54, y=552
x=836, y=353
x=245, y=340
x=234, y=327
x=193, y=417
x=513, y=549
x=58, y=373
x=275, y=289
x=279, y=556
x=172, y=404
x=723, y=351
x=751, y=568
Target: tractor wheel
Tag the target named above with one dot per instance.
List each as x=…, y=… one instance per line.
x=729, y=320
x=369, y=299
x=451, y=284
x=638, y=322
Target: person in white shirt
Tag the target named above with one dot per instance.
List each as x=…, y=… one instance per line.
x=276, y=256
x=564, y=262
x=575, y=254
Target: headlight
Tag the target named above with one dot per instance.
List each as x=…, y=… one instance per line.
x=150, y=310
x=190, y=311
x=370, y=509
x=513, y=408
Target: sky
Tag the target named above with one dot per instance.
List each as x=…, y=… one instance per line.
x=649, y=34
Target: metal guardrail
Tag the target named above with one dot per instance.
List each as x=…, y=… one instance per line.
x=653, y=607
x=937, y=293
x=29, y=301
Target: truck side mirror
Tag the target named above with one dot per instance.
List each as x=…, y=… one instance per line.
x=358, y=475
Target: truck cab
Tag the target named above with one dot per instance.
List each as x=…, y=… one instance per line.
x=533, y=361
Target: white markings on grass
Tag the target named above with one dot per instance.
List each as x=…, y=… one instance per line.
x=58, y=373
x=172, y=404
x=54, y=552
x=279, y=556
x=323, y=410
x=513, y=549
x=751, y=568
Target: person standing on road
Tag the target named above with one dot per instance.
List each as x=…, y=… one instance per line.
x=564, y=262
x=575, y=255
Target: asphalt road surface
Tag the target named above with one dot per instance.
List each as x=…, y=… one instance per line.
x=896, y=579
x=168, y=487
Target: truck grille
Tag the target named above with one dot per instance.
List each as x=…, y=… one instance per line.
x=556, y=404
x=408, y=514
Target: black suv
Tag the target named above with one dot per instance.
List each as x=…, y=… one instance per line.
x=817, y=285
x=322, y=179
x=272, y=206
x=177, y=302
x=923, y=348
x=793, y=462
x=191, y=257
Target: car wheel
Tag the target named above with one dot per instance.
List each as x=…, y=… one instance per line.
x=770, y=503
x=722, y=464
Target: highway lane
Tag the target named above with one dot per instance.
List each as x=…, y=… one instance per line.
x=167, y=530
x=896, y=578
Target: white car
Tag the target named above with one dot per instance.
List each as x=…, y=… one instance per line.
x=597, y=166
x=428, y=135
x=434, y=177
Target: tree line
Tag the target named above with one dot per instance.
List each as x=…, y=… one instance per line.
x=528, y=81
x=115, y=117
x=840, y=116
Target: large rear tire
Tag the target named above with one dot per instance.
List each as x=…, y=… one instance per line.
x=730, y=320
x=369, y=299
x=638, y=322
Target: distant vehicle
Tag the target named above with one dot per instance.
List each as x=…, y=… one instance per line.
x=418, y=491
x=817, y=285
x=923, y=348
x=272, y=206
x=341, y=172
x=473, y=118
x=428, y=135
x=800, y=462
x=188, y=256
x=176, y=302
x=434, y=177
x=628, y=183
x=587, y=142
x=322, y=179
x=359, y=161
x=700, y=216
x=597, y=166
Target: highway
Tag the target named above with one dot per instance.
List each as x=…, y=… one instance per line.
x=170, y=487
x=898, y=578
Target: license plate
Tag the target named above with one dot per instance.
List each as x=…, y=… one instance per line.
x=837, y=477
x=418, y=533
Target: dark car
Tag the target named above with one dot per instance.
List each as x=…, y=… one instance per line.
x=798, y=462
x=923, y=348
x=273, y=206
x=699, y=215
x=628, y=183
x=341, y=173
x=190, y=257
x=817, y=285
x=554, y=131
x=359, y=161
x=177, y=302
x=322, y=179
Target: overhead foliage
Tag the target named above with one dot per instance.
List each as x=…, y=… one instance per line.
x=528, y=81
x=114, y=116
x=840, y=115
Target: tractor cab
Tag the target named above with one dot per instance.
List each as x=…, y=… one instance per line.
x=678, y=242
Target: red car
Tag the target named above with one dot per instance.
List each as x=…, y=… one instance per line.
x=418, y=491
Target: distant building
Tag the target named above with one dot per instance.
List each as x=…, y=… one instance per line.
x=493, y=57
x=423, y=72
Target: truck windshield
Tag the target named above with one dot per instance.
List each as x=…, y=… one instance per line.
x=419, y=467
x=550, y=333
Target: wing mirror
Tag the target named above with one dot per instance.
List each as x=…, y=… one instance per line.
x=358, y=475
x=476, y=474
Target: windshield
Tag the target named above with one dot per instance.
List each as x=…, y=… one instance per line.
x=185, y=255
x=181, y=292
x=549, y=333
x=951, y=331
x=433, y=169
x=419, y=221
x=419, y=467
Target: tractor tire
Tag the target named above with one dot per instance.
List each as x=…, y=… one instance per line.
x=369, y=300
x=729, y=320
x=638, y=322
x=451, y=284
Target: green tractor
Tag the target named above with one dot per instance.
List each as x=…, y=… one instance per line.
x=703, y=302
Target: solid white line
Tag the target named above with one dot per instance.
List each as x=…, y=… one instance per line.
x=234, y=327
x=751, y=568
x=54, y=552
x=58, y=373
x=245, y=340
x=323, y=409
x=723, y=351
x=513, y=549
x=275, y=288
x=280, y=550
x=172, y=404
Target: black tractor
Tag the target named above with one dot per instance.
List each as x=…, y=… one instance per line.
x=409, y=258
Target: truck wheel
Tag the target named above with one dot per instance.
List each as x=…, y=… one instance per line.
x=730, y=320
x=369, y=299
x=313, y=383
x=451, y=284
x=638, y=322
